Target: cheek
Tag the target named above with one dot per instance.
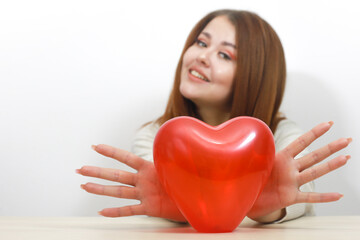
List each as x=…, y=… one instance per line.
x=185, y=63
x=225, y=75
x=188, y=57
x=187, y=60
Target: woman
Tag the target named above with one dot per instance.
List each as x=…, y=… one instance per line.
x=232, y=65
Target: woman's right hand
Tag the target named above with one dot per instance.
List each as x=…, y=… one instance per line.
x=143, y=186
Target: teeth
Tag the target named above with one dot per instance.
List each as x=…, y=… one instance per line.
x=196, y=74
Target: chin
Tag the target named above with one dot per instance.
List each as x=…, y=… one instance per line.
x=187, y=95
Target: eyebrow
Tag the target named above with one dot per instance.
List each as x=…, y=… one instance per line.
x=208, y=35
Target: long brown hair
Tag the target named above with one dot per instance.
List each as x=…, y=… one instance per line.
x=259, y=81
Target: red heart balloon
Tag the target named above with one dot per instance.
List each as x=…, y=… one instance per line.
x=214, y=174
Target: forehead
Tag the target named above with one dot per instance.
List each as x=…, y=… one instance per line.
x=221, y=27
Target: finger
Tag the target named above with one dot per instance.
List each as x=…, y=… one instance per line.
x=311, y=197
x=322, y=153
x=306, y=139
x=111, y=191
x=123, y=156
x=114, y=175
x=123, y=211
x=315, y=172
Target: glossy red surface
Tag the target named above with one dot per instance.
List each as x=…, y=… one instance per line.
x=214, y=174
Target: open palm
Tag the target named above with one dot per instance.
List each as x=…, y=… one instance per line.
x=288, y=174
x=143, y=186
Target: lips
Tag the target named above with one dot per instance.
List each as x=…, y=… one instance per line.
x=197, y=74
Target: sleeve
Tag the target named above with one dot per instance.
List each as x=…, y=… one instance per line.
x=144, y=140
x=286, y=133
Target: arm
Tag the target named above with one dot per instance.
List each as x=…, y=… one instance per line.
x=289, y=174
x=281, y=191
x=142, y=144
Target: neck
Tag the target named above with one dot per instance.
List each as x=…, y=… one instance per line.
x=213, y=116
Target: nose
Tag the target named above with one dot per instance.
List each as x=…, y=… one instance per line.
x=203, y=57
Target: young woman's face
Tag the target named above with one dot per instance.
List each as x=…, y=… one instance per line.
x=209, y=65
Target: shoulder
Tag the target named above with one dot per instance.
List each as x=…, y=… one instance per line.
x=149, y=130
x=286, y=132
x=144, y=140
x=287, y=127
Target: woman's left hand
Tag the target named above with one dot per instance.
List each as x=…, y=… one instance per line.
x=288, y=174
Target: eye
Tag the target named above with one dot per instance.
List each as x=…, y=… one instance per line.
x=200, y=43
x=224, y=56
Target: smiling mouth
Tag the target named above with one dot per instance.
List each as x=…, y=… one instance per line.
x=198, y=75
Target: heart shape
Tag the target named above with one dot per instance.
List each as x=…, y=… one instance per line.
x=214, y=174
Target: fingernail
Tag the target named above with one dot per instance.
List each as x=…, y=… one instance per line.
x=93, y=147
x=82, y=186
x=347, y=157
x=341, y=196
x=77, y=171
x=349, y=140
x=100, y=213
x=331, y=123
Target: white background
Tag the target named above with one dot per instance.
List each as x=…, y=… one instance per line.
x=76, y=73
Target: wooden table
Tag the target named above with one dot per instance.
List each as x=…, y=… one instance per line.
x=142, y=227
